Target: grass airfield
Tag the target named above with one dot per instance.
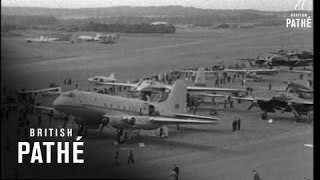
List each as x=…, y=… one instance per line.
x=276, y=150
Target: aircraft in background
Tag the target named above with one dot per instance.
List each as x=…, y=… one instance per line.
x=284, y=102
x=98, y=80
x=42, y=39
x=154, y=86
x=43, y=92
x=271, y=61
x=90, y=38
x=302, y=88
x=253, y=73
x=109, y=38
x=125, y=114
x=304, y=55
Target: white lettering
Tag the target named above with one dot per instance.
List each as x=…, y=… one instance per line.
x=48, y=147
x=36, y=153
x=21, y=152
x=61, y=151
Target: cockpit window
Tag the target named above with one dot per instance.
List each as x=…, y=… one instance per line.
x=69, y=94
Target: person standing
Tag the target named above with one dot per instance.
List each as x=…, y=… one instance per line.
x=161, y=132
x=234, y=125
x=50, y=114
x=270, y=85
x=39, y=119
x=173, y=175
x=117, y=160
x=238, y=124
x=130, y=157
x=176, y=169
x=256, y=175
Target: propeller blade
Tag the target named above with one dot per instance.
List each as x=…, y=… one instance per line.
x=251, y=106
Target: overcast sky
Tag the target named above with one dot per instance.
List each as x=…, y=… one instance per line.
x=270, y=5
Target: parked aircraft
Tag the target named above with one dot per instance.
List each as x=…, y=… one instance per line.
x=304, y=55
x=150, y=85
x=90, y=38
x=284, y=101
x=272, y=61
x=98, y=80
x=253, y=73
x=93, y=109
x=41, y=39
x=109, y=38
x=303, y=88
x=43, y=92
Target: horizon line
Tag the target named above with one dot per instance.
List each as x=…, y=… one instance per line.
x=8, y=6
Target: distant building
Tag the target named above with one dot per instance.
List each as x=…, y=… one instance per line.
x=159, y=23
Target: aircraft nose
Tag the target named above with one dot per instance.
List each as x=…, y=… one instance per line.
x=57, y=103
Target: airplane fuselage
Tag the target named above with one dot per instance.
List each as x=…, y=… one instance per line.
x=90, y=108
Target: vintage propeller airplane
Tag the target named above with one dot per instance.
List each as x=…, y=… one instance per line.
x=98, y=80
x=284, y=101
x=125, y=114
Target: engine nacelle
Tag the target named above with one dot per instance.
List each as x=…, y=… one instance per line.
x=121, y=122
x=132, y=122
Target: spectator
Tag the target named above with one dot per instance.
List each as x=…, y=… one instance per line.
x=117, y=160
x=256, y=175
x=39, y=119
x=173, y=175
x=234, y=125
x=176, y=169
x=238, y=124
x=130, y=157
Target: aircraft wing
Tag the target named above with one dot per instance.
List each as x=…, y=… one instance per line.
x=54, y=90
x=245, y=59
x=119, y=84
x=250, y=98
x=235, y=70
x=251, y=70
x=302, y=102
x=163, y=120
x=44, y=108
x=210, y=95
x=196, y=117
x=279, y=53
x=206, y=89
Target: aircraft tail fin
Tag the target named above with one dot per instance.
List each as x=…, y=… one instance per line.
x=177, y=99
x=251, y=64
x=200, y=78
x=112, y=76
